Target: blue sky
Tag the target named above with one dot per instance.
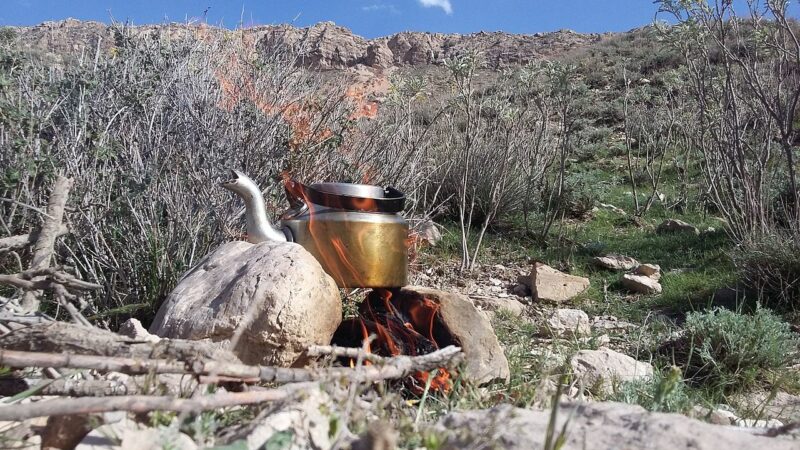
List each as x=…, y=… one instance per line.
x=369, y=18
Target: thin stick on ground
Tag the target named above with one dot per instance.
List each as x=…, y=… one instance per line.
x=143, y=404
x=344, y=352
x=395, y=367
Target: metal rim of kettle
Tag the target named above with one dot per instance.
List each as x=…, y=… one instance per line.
x=351, y=197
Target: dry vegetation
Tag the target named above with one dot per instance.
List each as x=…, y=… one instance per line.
x=698, y=120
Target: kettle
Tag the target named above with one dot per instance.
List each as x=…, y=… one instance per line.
x=355, y=231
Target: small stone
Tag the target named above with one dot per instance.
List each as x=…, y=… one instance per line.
x=760, y=423
x=133, y=329
x=641, y=284
x=649, y=270
x=550, y=285
x=429, y=232
x=495, y=281
x=496, y=304
x=568, y=323
x=615, y=262
x=602, y=370
x=675, y=226
x=611, y=323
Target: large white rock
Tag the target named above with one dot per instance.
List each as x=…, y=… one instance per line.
x=550, y=285
x=568, y=323
x=269, y=300
x=601, y=370
x=595, y=426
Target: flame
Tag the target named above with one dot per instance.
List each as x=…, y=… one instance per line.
x=404, y=325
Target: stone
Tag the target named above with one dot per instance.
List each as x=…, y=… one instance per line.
x=649, y=270
x=676, y=226
x=484, y=360
x=429, y=232
x=496, y=304
x=550, y=285
x=615, y=262
x=302, y=422
x=270, y=301
x=641, y=284
x=568, y=323
x=611, y=323
x=133, y=329
x=600, y=371
x=759, y=423
x=596, y=426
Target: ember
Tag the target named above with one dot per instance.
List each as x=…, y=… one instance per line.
x=403, y=324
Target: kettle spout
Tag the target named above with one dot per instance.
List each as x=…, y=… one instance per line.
x=259, y=229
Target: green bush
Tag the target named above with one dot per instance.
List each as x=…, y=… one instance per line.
x=731, y=351
x=664, y=392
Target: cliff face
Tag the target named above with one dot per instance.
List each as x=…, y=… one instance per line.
x=328, y=46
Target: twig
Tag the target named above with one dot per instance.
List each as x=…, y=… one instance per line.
x=395, y=367
x=344, y=352
x=43, y=248
x=27, y=206
x=141, y=404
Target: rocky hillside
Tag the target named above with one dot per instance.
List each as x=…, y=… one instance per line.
x=327, y=45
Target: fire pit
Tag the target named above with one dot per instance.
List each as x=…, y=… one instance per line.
x=403, y=323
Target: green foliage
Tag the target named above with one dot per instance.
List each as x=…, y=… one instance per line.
x=730, y=351
x=664, y=392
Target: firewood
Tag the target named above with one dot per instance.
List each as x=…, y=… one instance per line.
x=10, y=243
x=395, y=367
x=141, y=404
x=43, y=248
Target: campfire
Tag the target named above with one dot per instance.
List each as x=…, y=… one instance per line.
x=403, y=323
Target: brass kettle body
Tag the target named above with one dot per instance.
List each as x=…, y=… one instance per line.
x=355, y=231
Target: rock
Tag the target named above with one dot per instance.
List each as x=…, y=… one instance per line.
x=611, y=323
x=717, y=416
x=429, y=232
x=648, y=270
x=133, y=329
x=676, y=226
x=550, y=285
x=276, y=295
x=759, y=423
x=615, y=262
x=495, y=304
x=600, y=371
x=641, y=284
x=596, y=426
x=152, y=438
x=778, y=405
x=303, y=422
x=568, y=323
x=484, y=358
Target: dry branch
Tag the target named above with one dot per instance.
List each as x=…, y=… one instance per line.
x=141, y=404
x=343, y=352
x=395, y=367
x=43, y=248
x=10, y=243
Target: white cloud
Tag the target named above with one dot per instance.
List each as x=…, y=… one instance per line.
x=381, y=7
x=444, y=4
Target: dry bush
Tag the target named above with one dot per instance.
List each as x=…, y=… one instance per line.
x=146, y=127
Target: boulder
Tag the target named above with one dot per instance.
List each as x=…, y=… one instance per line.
x=649, y=270
x=676, y=226
x=641, y=284
x=596, y=426
x=484, y=360
x=568, y=323
x=600, y=371
x=550, y=285
x=270, y=301
x=615, y=262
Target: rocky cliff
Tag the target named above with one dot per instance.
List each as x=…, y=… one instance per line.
x=327, y=45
